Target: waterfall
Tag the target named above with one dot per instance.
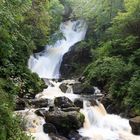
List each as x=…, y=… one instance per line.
x=47, y=63
x=99, y=125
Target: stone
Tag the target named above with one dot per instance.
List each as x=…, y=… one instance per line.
x=40, y=112
x=20, y=104
x=74, y=135
x=56, y=137
x=71, y=109
x=39, y=103
x=51, y=108
x=49, y=128
x=88, y=90
x=93, y=102
x=65, y=121
x=77, y=88
x=135, y=125
x=75, y=61
x=63, y=87
x=63, y=102
x=78, y=103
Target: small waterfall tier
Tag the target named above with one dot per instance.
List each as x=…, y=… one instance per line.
x=47, y=63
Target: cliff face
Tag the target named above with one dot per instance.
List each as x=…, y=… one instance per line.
x=75, y=61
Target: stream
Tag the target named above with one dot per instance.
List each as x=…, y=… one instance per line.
x=98, y=124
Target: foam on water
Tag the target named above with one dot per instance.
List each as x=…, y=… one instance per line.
x=33, y=124
x=102, y=126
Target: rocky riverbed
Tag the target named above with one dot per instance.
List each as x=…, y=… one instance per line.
x=59, y=114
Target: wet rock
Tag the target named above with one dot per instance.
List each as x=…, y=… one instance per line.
x=135, y=125
x=49, y=128
x=81, y=79
x=88, y=90
x=63, y=87
x=38, y=103
x=106, y=100
x=71, y=109
x=75, y=61
x=63, y=102
x=20, y=104
x=77, y=88
x=78, y=103
x=51, y=108
x=60, y=79
x=40, y=112
x=56, y=137
x=93, y=102
x=74, y=135
x=65, y=121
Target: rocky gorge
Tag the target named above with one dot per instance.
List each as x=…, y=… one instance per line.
x=70, y=109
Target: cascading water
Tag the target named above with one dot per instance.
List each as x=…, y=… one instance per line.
x=98, y=124
x=102, y=126
x=47, y=63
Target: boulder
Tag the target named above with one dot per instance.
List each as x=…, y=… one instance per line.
x=78, y=103
x=88, y=90
x=38, y=103
x=74, y=135
x=49, y=128
x=71, y=109
x=77, y=88
x=20, y=104
x=63, y=102
x=75, y=61
x=56, y=137
x=40, y=112
x=135, y=125
x=65, y=121
x=63, y=87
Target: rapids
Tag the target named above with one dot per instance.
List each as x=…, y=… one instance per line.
x=98, y=125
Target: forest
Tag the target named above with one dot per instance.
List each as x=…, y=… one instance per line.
x=113, y=39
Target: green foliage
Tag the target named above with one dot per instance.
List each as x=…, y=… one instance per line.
x=115, y=66
x=24, y=26
x=9, y=124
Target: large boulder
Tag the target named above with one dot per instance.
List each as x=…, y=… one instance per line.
x=39, y=103
x=77, y=88
x=63, y=102
x=135, y=125
x=78, y=103
x=40, y=112
x=65, y=121
x=63, y=87
x=54, y=136
x=49, y=128
x=74, y=135
x=75, y=61
x=71, y=109
x=20, y=104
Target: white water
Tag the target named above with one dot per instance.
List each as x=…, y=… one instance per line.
x=102, y=126
x=54, y=91
x=47, y=63
x=33, y=124
x=98, y=124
